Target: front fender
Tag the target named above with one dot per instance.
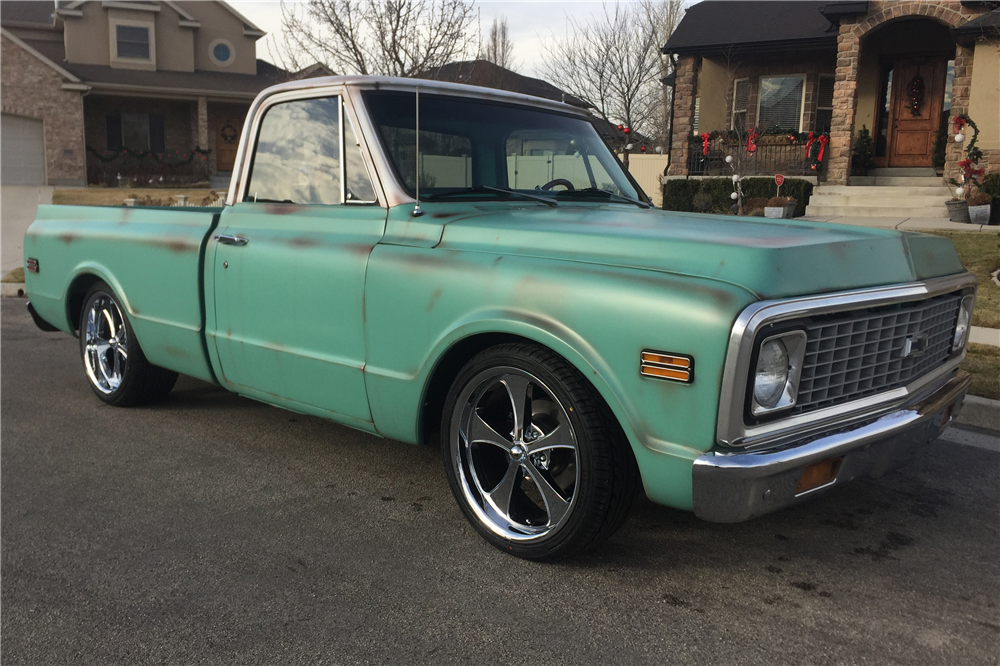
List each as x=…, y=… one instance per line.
x=421, y=302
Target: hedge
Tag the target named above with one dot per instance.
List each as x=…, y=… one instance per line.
x=679, y=194
x=991, y=186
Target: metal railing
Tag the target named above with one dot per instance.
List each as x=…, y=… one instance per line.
x=773, y=155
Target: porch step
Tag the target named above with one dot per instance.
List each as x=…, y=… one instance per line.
x=876, y=211
x=220, y=181
x=894, y=181
x=883, y=191
x=922, y=200
x=903, y=171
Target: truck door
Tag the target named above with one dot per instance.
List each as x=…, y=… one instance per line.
x=289, y=265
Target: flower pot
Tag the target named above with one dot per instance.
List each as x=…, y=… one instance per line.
x=958, y=211
x=776, y=212
x=790, y=209
x=979, y=214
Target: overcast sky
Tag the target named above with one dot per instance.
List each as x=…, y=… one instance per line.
x=530, y=23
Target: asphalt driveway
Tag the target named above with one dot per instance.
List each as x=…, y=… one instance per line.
x=212, y=529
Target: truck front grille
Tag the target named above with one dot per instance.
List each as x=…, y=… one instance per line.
x=850, y=355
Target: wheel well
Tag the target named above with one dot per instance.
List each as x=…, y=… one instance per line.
x=450, y=365
x=77, y=292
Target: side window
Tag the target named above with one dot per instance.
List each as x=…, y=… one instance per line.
x=297, y=158
x=359, y=186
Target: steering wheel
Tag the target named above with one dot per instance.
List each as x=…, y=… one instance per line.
x=558, y=181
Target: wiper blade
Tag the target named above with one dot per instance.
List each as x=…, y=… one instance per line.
x=480, y=189
x=603, y=194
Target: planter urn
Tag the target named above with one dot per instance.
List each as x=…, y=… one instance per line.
x=790, y=209
x=958, y=211
x=774, y=212
x=979, y=214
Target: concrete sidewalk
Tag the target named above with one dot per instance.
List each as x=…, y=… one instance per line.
x=902, y=223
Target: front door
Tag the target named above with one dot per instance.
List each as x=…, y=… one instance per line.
x=227, y=139
x=289, y=264
x=915, y=115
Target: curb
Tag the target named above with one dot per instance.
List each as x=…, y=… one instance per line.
x=980, y=412
x=12, y=290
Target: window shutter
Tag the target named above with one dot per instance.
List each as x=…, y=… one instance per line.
x=156, y=134
x=114, y=128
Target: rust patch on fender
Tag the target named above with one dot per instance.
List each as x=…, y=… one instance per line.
x=303, y=242
x=280, y=209
x=68, y=237
x=434, y=297
x=175, y=351
x=443, y=216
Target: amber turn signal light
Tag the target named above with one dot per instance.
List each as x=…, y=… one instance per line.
x=818, y=475
x=664, y=365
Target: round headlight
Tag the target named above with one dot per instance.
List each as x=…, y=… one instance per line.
x=962, y=326
x=772, y=373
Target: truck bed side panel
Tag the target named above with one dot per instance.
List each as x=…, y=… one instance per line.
x=152, y=259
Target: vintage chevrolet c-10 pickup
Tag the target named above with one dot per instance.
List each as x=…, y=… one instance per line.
x=463, y=267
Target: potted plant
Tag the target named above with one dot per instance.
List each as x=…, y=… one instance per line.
x=969, y=174
x=790, y=208
x=862, y=155
x=776, y=207
x=979, y=207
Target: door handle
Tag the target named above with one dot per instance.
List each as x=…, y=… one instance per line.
x=232, y=240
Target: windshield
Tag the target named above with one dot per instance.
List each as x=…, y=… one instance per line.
x=479, y=144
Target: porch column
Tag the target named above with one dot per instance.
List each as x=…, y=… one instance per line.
x=845, y=101
x=203, y=123
x=960, y=87
x=683, y=122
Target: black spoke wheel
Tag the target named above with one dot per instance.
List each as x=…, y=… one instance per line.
x=533, y=456
x=116, y=368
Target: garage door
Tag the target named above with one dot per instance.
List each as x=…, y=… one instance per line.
x=21, y=151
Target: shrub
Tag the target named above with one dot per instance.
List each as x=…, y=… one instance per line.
x=777, y=202
x=678, y=194
x=756, y=212
x=991, y=186
x=755, y=203
x=862, y=155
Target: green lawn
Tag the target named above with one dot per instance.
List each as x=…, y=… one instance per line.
x=983, y=363
x=980, y=253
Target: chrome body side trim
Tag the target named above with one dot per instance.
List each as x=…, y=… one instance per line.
x=732, y=431
x=733, y=487
x=390, y=192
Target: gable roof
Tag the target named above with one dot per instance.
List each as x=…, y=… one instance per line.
x=486, y=74
x=719, y=26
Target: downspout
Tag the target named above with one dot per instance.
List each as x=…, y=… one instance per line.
x=671, y=80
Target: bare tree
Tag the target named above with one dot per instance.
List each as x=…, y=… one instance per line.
x=611, y=64
x=499, y=49
x=381, y=37
x=662, y=17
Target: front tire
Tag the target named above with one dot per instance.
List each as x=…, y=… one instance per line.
x=533, y=457
x=116, y=368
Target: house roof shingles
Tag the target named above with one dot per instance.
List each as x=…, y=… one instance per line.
x=224, y=83
x=36, y=13
x=718, y=26
x=489, y=75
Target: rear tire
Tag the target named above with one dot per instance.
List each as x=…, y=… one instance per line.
x=116, y=368
x=533, y=456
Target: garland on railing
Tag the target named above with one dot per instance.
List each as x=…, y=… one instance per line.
x=967, y=167
x=184, y=158
x=815, y=142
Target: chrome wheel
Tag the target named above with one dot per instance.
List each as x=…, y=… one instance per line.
x=105, y=344
x=515, y=454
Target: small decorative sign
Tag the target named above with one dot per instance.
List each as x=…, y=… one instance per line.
x=779, y=179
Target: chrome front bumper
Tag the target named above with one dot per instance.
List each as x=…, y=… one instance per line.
x=733, y=487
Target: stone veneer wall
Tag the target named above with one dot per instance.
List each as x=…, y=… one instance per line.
x=30, y=88
x=684, y=95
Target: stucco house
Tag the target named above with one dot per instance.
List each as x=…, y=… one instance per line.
x=900, y=69
x=92, y=88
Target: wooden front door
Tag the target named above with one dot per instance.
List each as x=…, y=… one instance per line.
x=227, y=140
x=913, y=124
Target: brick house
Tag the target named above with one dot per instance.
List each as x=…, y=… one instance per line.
x=900, y=69
x=91, y=89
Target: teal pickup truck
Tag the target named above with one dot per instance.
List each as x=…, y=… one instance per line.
x=473, y=269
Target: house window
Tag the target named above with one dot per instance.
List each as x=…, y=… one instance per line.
x=780, y=103
x=824, y=103
x=741, y=95
x=221, y=52
x=132, y=41
x=136, y=131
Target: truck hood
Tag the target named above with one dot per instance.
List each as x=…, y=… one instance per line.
x=770, y=258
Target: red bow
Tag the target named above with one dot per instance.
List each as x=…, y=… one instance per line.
x=751, y=141
x=959, y=124
x=704, y=143
x=810, y=140
x=823, y=140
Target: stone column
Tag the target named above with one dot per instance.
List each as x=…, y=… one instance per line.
x=845, y=101
x=202, y=123
x=683, y=121
x=960, y=87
